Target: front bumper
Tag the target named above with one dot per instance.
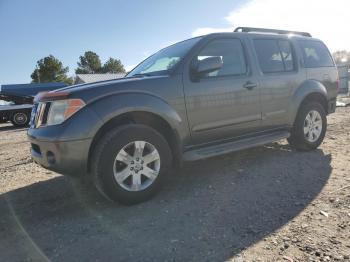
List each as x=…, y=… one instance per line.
x=65, y=148
x=64, y=157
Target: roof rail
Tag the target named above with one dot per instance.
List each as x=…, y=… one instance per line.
x=266, y=30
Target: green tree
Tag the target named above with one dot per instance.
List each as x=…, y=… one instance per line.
x=89, y=63
x=50, y=69
x=113, y=66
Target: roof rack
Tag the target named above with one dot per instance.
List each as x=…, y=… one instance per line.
x=266, y=30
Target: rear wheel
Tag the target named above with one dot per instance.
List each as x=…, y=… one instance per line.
x=20, y=119
x=130, y=162
x=309, y=128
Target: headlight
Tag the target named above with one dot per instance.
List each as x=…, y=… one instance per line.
x=60, y=110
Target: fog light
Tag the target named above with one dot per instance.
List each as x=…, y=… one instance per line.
x=50, y=158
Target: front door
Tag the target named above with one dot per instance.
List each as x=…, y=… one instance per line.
x=224, y=103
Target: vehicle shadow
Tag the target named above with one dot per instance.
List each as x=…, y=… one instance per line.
x=208, y=211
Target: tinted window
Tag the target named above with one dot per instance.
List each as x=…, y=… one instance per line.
x=315, y=54
x=274, y=55
x=287, y=55
x=231, y=53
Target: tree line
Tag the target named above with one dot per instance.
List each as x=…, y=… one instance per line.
x=51, y=69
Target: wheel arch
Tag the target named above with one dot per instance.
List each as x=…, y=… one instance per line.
x=141, y=117
x=310, y=90
x=317, y=97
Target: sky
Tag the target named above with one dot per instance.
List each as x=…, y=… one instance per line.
x=134, y=29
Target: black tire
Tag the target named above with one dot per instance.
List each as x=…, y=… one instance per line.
x=105, y=154
x=20, y=119
x=298, y=139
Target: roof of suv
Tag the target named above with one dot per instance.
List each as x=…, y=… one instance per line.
x=266, y=32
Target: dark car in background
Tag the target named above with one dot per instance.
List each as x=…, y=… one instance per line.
x=16, y=101
x=199, y=98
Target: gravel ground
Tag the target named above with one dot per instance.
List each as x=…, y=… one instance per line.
x=264, y=204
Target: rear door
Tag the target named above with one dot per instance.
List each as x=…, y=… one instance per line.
x=279, y=77
x=225, y=103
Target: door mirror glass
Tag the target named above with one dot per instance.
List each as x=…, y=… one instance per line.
x=208, y=65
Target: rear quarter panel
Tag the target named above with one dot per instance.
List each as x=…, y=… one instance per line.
x=328, y=77
x=325, y=75
x=321, y=80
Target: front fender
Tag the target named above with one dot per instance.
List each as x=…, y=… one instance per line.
x=110, y=107
x=308, y=87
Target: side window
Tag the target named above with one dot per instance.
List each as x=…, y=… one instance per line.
x=269, y=56
x=274, y=55
x=287, y=55
x=315, y=54
x=231, y=53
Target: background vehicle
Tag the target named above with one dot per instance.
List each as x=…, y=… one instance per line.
x=199, y=98
x=17, y=101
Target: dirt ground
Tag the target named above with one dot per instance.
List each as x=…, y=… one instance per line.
x=264, y=204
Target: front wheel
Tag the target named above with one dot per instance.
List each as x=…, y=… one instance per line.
x=309, y=128
x=130, y=162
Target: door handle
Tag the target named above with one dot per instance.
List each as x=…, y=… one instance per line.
x=250, y=85
x=326, y=77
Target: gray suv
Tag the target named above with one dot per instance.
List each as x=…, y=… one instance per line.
x=199, y=98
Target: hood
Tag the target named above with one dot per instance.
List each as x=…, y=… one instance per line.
x=92, y=91
x=113, y=82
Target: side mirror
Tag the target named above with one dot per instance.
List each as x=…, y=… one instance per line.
x=208, y=65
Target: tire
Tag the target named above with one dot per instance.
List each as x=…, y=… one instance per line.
x=20, y=119
x=133, y=187
x=305, y=134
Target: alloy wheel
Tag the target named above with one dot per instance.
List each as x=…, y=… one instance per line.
x=312, y=126
x=136, y=166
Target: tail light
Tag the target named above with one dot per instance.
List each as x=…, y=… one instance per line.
x=338, y=82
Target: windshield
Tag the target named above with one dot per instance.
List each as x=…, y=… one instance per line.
x=164, y=60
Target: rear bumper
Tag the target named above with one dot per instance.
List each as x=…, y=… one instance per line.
x=332, y=105
x=64, y=157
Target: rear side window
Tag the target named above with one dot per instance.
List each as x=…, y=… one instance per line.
x=315, y=54
x=232, y=55
x=287, y=55
x=274, y=55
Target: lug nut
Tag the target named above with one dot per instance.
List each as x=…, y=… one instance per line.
x=131, y=168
